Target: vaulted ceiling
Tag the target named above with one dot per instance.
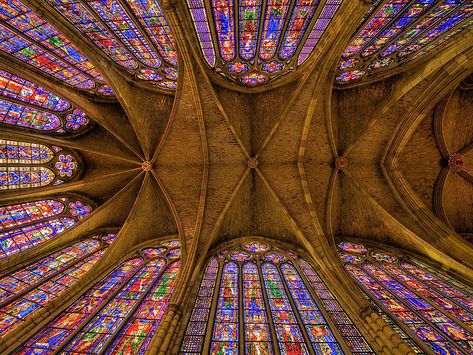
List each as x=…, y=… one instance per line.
x=305, y=157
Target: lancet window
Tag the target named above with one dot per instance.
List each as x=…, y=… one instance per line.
x=134, y=34
x=28, y=290
x=25, y=225
x=32, y=165
x=398, y=31
x=121, y=312
x=32, y=40
x=260, y=299
x=28, y=105
x=429, y=305
x=253, y=42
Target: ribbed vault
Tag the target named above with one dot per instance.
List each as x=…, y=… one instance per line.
x=368, y=162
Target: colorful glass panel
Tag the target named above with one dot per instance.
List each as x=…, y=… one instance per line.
x=323, y=21
x=25, y=177
x=14, y=152
x=19, y=310
x=344, y=324
x=256, y=38
x=113, y=27
x=152, y=19
x=298, y=23
x=401, y=28
x=43, y=47
x=53, y=335
x=34, y=274
x=26, y=165
x=257, y=332
x=117, y=19
x=119, y=314
x=249, y=17
x=31, y=223
x=433, y=310
x=20, y=214
x=201, y=27
x=225, y=27
x=17, y=88
x=256, y=247
x=81, y=17
x=225, y=332
x=49, y=112
x=23, y=116
x=265, y=307
x=195, y=333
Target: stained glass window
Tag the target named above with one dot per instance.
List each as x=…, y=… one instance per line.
x=27, y=224
x=29, y=165
x=258, y=41
x=24, y=35
x=25, y=291
x=26, y=104
x=120, y=313
x=399, y=31
x=267, y=300
x=435, y=309
x=134, y=34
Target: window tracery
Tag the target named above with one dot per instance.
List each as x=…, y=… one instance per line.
x=32, y=165
x=257, y=298
x=28, y=105
x=133, y=33
x=27, y=224
x=436, y=310
x=30, y=39
x=399, y=31
x=121, y=312
x=31, y=288
x=252, y=42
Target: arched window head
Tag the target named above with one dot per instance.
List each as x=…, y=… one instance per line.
x=27, y=105
x=259, y=299
x=31, y=288
x=35, y=42
x=396, y=32
x=120, y=313
x=27, y=224
x=253, y=42
x=134, y=34
x=431, y=307
x=31, y=165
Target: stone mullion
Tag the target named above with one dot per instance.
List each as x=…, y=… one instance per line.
x=284, y=28
x=409, y=307
x=71, y=263
x=135, y=306
x=333, y=327
x=309, y=28
x=371, y=316
x=412, y=39
x=213, y=310
x=108, y=116
x=47, y=50
x=97, y=219
x=269, y=315
x=140, y=28
x=427, y=300
x=264, y=3
x=60, y=114
x=366, y=21
x=91, y=316
x=213, y=32
x=295, y=311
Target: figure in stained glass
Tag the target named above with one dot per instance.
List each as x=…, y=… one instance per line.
x=273, y=295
